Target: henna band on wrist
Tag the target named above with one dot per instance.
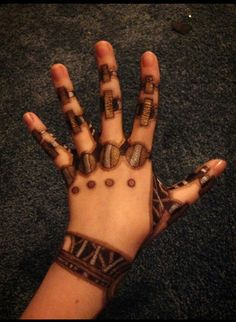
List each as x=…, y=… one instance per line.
x=94, y=262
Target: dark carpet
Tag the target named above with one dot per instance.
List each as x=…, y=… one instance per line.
x=189, y=271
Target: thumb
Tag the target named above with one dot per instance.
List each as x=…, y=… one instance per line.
x=177, y=198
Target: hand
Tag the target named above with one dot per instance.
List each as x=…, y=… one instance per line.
x=115, y=200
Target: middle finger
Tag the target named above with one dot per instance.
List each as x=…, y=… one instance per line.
x=111, y=109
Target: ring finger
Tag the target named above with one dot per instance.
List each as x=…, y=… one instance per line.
x=146, y=113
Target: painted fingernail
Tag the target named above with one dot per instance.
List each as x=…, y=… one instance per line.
x=148, y=59
x=28, y=118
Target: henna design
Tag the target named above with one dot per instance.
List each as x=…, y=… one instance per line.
x=109, y=182
x=106, y=73
x=123, y=148
x=161, y=202
x=87, y=163
x=94, y=262
x=109, y=156
x=48, y=147
x=68, y=173
x=91, y=184
x=64, y=95
x=206, y=183
x=74, y=122
x=92, y=130
x=136, y=155
x=148, y=85
x=205, y=180
x=146, y=111
x=109, y=104
x=191, y=177
x=131, y=183
x=75, y=190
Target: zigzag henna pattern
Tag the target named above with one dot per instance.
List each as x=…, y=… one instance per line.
x=94, y=262
x=161, y=202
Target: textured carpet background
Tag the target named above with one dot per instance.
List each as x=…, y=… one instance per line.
x=189, y=272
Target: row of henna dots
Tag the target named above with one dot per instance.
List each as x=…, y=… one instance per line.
x=108, y=182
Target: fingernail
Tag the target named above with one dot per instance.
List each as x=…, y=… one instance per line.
x=148, y=59
x=220, y=163
x=59, y=72
x=103, y=49
x=28, y=118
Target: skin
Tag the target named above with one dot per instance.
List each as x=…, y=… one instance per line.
x=118, y=216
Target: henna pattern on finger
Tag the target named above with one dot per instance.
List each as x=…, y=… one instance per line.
x=94, y=262
x=48, y=146
x=204, y=179
x=148, y=85
x=74, y=121
x=87, y=163
x=136, y=155
x=69, y=174
x=64, y=95
x=109, y=104
x=162, y=201
x=206, y=183
x=146, y=111
x=106, y=73
x=109, y=156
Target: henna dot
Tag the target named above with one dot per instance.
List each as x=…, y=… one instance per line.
x=75, y=190
x=91, y=184
x=109, y=182
x=131, y=183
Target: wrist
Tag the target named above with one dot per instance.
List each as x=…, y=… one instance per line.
x=94, y=261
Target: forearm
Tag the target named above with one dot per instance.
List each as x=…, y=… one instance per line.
x=63, y=295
